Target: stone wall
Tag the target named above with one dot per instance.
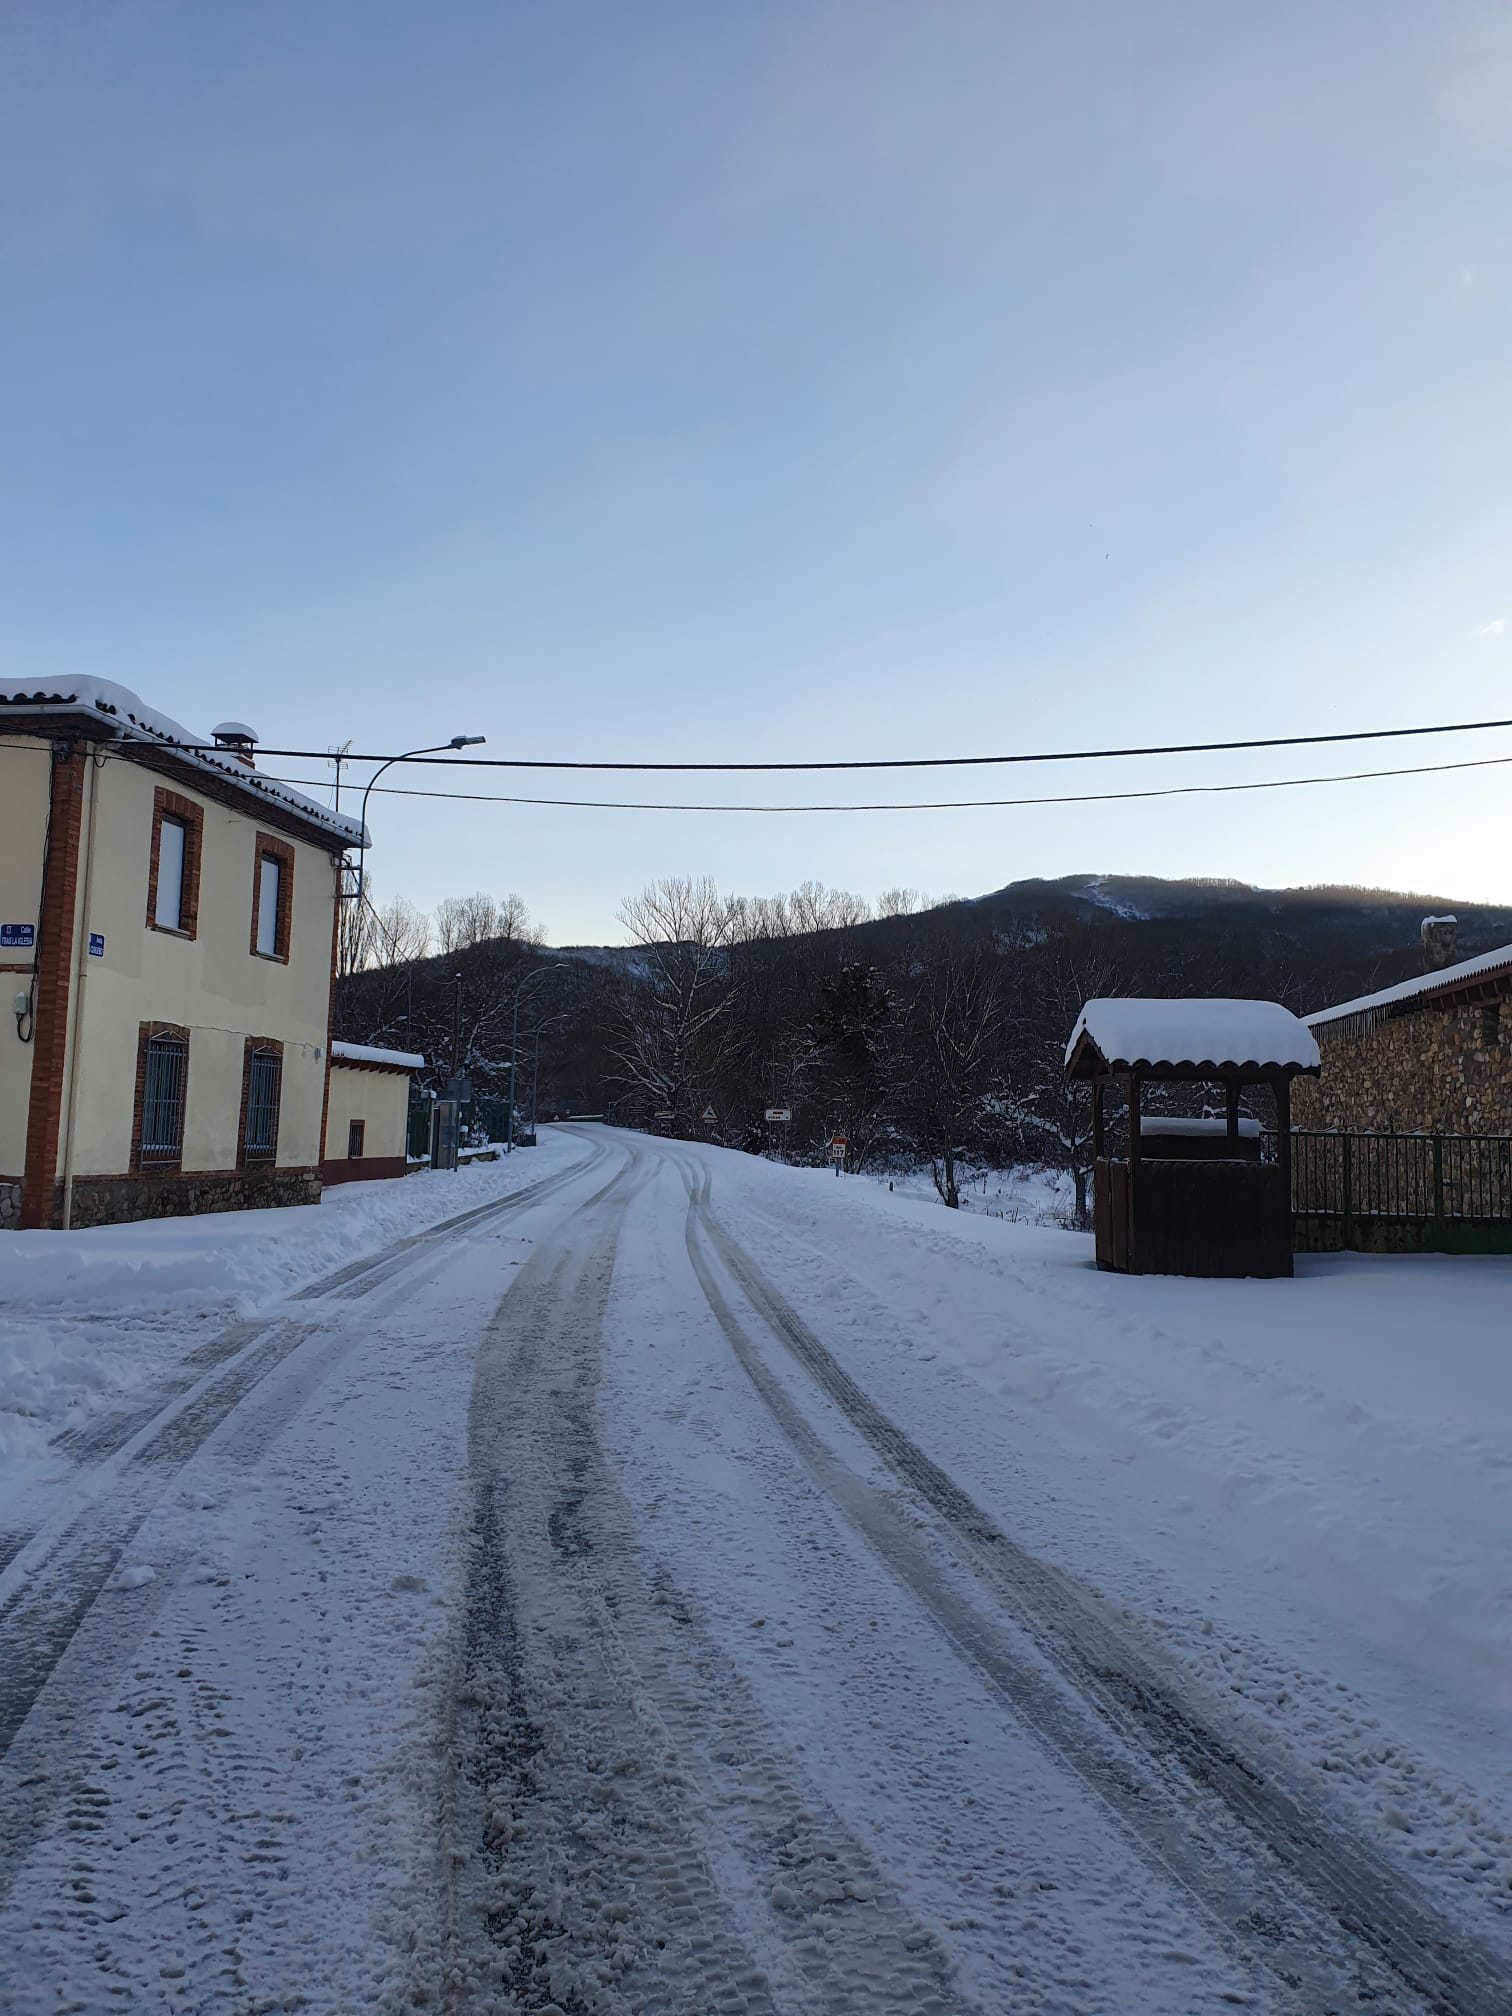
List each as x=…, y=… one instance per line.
x=10, y=1206
x=114, y=1200
x=1437, y=1070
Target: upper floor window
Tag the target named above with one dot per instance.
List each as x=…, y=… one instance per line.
x=269, y=874
x=173, y=869
x=170, y=884
x=272, y=897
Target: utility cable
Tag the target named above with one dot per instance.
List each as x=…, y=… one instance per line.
x=886, y=762
x=915, y=805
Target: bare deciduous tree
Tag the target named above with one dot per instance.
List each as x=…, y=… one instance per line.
x=1052, y=1113
x=673, y=1034
x=956, y=1013
x=461, y=921
x=357, y=937
x=404, y=933
x=901, y=902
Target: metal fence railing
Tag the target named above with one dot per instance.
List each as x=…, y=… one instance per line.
x=1402, y=1192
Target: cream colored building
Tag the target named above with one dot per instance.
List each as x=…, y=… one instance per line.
x=367, y=1113
x=167, y=924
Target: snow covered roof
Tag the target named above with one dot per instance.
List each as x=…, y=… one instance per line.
x=1137, y=1032
x=115, y=710
x=1424, y=986
x=372, y=1053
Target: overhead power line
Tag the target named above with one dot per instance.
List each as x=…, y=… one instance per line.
x=918, y=804
x=907, y=762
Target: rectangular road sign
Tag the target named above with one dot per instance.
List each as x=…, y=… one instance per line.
x=779, y=1112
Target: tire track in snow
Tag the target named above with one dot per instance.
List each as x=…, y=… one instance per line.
x=97, y=1440
x=619, y=1832
x=40, y=1619
x=1311, y=1882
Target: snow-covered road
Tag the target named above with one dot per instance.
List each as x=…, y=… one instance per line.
x=684, y=1584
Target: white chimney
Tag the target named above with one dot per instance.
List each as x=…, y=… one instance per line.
x=238, y=740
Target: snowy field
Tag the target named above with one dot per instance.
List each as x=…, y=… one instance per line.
x=688, y=1583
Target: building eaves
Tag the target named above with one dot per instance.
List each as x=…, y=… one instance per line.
x=1422, y=989
x=108, y=711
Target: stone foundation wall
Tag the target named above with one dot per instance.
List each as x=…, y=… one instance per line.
x=115, y=1200
x=10, y=1206
x=1440, y=1070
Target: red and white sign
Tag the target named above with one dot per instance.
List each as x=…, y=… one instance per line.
x=708, y=1116
x=837, y=1147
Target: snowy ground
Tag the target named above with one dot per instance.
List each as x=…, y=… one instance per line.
x=1018, y=1195
x=91, y=1317
x=690, y=1584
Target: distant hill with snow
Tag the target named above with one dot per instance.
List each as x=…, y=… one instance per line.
x=1310, y=946
x=1378, y=920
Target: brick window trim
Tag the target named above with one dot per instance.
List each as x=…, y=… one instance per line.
x=270, y=847
x=159, y=1165
x=252, y=1044
x=173, y=805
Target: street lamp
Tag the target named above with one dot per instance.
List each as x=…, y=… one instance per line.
x=535, y=1062
x=435, y=749
x=538, y=973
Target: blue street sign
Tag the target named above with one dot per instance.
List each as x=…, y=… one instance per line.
x=17, y=936
x=97, y=944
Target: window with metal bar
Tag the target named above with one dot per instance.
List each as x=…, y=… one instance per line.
x=264, y=1071
x=164, y=1081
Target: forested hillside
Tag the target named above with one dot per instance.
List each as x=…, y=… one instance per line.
x=928, y=1031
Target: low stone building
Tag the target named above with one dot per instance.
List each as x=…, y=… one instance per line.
x=1432, y=1055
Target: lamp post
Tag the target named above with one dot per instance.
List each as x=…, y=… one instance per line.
x=538, y=973
x=434, y=749
x=535, y=1064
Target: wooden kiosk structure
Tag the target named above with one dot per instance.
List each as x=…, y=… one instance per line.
x=1191, y=1195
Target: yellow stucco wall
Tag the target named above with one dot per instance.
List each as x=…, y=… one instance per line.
x=380, y=1098
x=214, y=984
x=23, y=818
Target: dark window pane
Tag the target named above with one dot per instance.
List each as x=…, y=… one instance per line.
x=163, y=1099
x=263, y=1076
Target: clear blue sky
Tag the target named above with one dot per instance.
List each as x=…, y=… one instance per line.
x=777, y=380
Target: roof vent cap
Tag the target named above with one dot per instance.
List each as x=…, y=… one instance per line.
x=237, y=739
